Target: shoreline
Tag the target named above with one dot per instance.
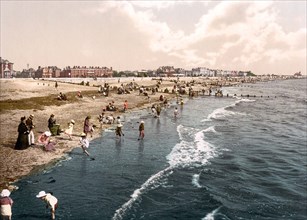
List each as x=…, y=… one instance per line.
x=16, y=165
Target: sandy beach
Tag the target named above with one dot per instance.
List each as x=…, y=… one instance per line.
x=22, y=97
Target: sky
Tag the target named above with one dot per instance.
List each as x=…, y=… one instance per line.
x=265, y=37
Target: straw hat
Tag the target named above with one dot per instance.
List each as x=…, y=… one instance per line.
x=72, y=121
x=119, y=125
x=5, y=193
x=83, y=134
x=31, y=116
x=41, y=194
x=142, y=122
x=47, y=133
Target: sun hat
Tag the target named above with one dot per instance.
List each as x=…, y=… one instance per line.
x=41, y=194
x=142, y=122
x=5, y=193
x=120, y=125
x=47, y=133
x=83, y=134
x=32, y=116
x=72, y=121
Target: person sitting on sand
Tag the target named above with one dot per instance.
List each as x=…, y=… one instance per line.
x=84, y=143
x=79, y=95
x=53, y=126
x=110, y=119
x=70, y=128
x=62, y=97
x=44, y=139
x=50, y=200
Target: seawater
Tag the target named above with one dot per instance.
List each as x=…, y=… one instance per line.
x=222, y=158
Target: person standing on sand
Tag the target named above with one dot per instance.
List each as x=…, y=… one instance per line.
x=6, y=205
x=30, y=125
x=23, y=132
x=50, y=200
x=84, y=143
x=88, y=128
x=141, y=131
x=70, y=128
x=125, y=105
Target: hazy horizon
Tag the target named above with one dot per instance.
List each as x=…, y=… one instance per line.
x=265, y=37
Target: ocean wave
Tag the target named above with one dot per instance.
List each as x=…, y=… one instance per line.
x=191, y=153
x=224, y=112
x=152, y=183
x=195, y=180
x=210, y=216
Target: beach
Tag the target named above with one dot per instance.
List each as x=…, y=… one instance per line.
x=21, y=97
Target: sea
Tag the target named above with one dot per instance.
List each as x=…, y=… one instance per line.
x=241, y=156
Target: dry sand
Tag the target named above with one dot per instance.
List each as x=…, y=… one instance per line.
x=15, y=164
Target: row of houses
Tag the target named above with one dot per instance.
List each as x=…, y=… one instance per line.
x=68, y=72
x=96, y=71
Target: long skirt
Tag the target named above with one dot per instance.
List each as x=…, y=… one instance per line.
x=22, y=142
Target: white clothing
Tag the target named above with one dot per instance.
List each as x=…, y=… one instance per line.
x=84, y=142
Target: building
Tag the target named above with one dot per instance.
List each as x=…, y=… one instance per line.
x=166, y=71
x=48, y=72
x=83, y=71
x=6, y=68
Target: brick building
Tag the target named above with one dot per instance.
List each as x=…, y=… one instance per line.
x=83, y=71
x=6, y=68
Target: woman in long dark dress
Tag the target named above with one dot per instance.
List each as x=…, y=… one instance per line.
x=23, y=132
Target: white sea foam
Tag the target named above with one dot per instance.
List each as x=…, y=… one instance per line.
x=195, y=153
x=220, y=113
x=210, y=216
x=223, y=112
x=210, y=129
x=244, y=100
x=195, y=180
x=186, y=153
x=152, y=183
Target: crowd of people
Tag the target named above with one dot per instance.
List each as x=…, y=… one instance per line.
x=48, y=141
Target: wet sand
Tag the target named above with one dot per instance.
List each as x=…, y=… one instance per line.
x=16, y=164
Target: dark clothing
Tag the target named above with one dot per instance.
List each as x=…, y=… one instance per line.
x=141, y=127
x=22, y=140
x=51, y=122
x=29, y=123
x=118, y=131
x=53, y=127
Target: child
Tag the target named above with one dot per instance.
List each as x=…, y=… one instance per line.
x=84, y=143
x=50, y=200
x=6, y=204
x=176, y=112
x=141, y=131
x=70, y=128
x=118, y=130
x=45, y=140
